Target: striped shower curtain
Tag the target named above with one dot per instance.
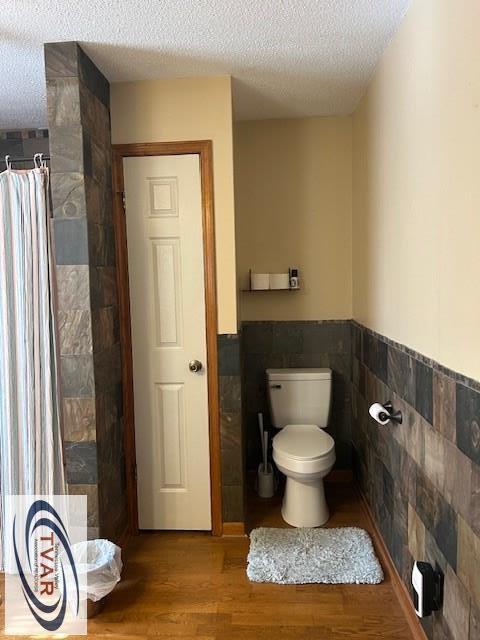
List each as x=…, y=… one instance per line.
x=31, y=459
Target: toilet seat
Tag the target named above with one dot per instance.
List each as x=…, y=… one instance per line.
x=305, y=442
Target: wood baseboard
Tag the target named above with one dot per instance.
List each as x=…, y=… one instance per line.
x=388, y=564
x=233, y=528
x=340, y=475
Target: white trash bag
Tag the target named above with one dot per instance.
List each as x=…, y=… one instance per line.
x=102, y=562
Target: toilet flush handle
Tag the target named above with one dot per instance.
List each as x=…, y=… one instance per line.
x=275, y=386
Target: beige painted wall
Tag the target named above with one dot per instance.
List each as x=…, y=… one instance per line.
x=189, y=109
x=293, y=208
x=416, y=221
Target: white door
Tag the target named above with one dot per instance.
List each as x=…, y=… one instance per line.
x=167, y=298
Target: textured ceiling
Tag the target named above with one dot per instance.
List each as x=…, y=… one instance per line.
x=288, y=58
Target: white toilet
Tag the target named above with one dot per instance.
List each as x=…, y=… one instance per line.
x=300, y=401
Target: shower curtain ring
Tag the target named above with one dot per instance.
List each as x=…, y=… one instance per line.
x=37, y=160
x=8, y=162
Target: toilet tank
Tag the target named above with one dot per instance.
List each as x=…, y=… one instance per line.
x=299, y=396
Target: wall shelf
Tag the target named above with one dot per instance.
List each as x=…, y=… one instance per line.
x=280, y=279
x=267, y=290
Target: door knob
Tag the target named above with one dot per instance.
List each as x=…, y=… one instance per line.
x=195, y=365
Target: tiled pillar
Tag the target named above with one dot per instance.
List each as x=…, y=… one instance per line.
x=80, y=148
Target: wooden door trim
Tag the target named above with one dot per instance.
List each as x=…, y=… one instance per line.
x=203, y=148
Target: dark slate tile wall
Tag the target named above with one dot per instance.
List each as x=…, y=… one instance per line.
x=79, y=126
x=231, y=429
x=277, y=344
x=23, y=143
x=422, y=478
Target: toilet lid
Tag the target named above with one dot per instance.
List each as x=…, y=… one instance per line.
x=303, y=441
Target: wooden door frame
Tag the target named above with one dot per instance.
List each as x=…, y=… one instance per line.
x=202, y=148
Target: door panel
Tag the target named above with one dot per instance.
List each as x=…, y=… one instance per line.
x=167, y=296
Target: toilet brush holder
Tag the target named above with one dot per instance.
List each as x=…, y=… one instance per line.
x=266, y=481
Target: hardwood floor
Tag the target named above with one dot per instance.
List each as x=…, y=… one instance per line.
x=193, y=586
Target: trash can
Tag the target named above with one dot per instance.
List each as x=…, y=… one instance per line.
x=101, y=561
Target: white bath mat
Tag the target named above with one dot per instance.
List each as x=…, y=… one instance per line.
x=303, y=556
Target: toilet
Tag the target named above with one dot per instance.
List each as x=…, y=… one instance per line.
x=300, y=401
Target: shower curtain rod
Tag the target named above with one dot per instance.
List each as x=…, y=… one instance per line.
x=26, y=159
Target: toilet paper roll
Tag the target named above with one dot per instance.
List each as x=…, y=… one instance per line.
x=259, y=281
x=279, y=281
x=378, y=413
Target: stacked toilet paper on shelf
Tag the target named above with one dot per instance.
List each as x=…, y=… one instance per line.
x=259, y=281
x=262, y=281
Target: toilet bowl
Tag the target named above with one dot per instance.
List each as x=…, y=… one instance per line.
x=300, y=401
x=305, y=455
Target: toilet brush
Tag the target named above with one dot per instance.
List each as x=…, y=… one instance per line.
x=266, y=482
x=260, y=428
x=265, y=451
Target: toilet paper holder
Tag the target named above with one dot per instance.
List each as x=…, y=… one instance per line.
x=383, y=413
x=396, y=416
